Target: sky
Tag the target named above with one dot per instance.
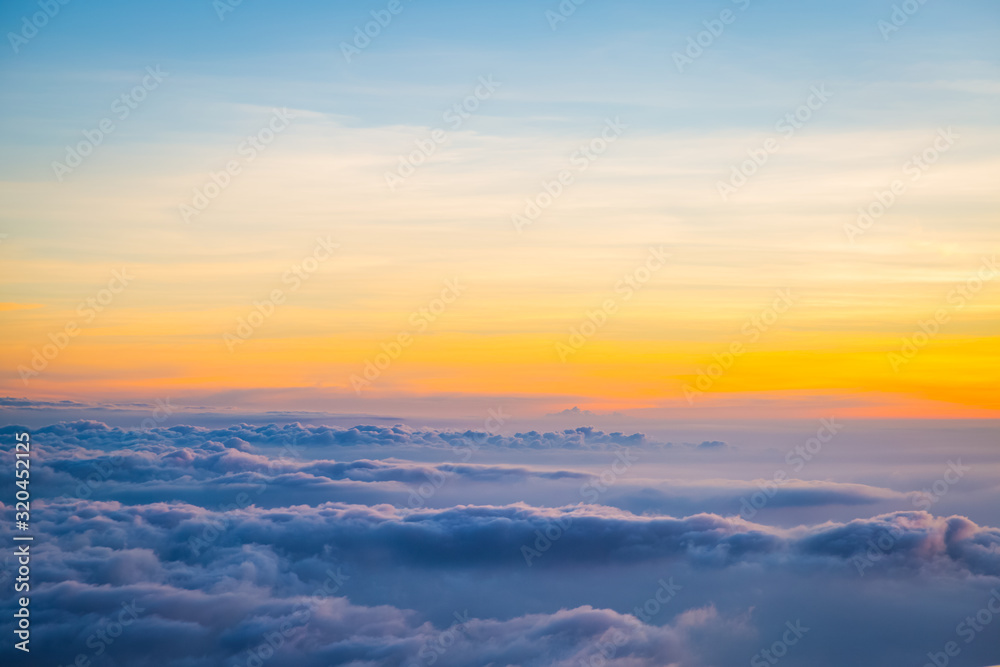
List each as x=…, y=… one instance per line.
x=654, y=145
x=550, y=333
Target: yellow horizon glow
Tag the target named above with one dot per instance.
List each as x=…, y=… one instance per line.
x=854, y=302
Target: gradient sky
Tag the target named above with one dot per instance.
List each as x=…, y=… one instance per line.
x=656, y=186
x=624, y=298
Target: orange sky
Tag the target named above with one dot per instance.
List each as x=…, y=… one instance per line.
x=327, y=269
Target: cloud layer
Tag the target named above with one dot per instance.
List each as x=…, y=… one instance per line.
x=185, y=546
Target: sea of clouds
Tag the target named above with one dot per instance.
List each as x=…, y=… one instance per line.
x=188, y=546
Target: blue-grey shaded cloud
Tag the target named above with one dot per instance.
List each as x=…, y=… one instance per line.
x=497, y=537
x=175, y=627
x=205, y=472
x=97, y=434
x=223, y=537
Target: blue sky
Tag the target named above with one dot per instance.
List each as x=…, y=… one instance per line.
x=606, y=58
